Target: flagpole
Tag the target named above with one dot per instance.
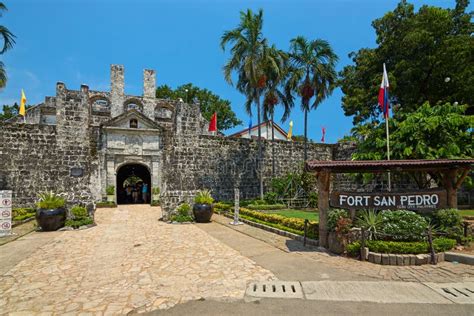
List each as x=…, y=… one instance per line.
x=388, y=151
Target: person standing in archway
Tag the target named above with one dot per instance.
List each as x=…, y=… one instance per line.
x=145, y=192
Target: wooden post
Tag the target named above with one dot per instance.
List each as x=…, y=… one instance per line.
x=324, y=178
x=449, y=179
x=305, y=231
x=362, y=244
x=432, y=251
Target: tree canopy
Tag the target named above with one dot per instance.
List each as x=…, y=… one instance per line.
x=8, y=41
x=429, y=57
x=9, y=111
x=208, y=102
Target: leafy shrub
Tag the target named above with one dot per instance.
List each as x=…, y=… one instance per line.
x=343, y=227
x=449, y=221
x=184, y=209
x=402, y=247
x=155, y=190
x=203, y=197
x=155, y=203
x=221, y=207
x=271, y=197
x=296, y=224
x=313, y=199
x=110, y=190
x=79, y=212
x=403, y=225
x=19, y=214
x=76, y=223
x=264, y=207
x=181, y=218
x=371, y=221
x=333, y=217
x=106, y=204
x=50, y=200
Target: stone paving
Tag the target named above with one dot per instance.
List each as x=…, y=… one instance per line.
x=442, y=272
x=129, y=262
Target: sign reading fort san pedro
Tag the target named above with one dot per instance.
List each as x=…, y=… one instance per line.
x=419, y=201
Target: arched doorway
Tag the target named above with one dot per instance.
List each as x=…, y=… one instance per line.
x=132, y=178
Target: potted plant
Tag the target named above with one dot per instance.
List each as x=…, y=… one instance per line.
x=110, y=190
x=51, y=213
x=203, y=207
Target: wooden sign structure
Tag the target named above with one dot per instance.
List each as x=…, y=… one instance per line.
x=428, y=200
x=452, y=172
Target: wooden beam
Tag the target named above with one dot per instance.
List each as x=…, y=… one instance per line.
x=461, y=178
x=324, y=181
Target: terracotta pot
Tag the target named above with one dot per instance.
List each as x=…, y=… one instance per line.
x=203, y=212
x=51, y=219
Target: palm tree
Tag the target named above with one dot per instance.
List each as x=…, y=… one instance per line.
x=313, y=74
x=8, y=41
x=252, y=60
x=276, y=93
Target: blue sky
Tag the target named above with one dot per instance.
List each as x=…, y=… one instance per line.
x=76, y=41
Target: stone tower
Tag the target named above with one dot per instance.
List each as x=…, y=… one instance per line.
x=149, y=93
x=117, y=93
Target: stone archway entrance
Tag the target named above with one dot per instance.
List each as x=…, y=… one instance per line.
x=132, y=177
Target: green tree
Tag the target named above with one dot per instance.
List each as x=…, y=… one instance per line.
x=208, y=102
x=9, y=111
x=428, y=56
x=313, y=74
x=8, y=41
x=253, y=61
x=430, y=132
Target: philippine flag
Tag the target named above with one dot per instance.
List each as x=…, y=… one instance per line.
x=383, y=93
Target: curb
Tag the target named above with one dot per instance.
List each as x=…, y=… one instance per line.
x=459, y=257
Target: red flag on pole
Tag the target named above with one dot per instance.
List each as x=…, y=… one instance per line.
x=213, y=123
x=324, y=134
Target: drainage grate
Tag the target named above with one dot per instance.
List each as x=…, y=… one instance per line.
x=275, y=289
x=462, y=293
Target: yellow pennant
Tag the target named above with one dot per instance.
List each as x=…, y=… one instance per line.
x=290, y=132
x=22, y=103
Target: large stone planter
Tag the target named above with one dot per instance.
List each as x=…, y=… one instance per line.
x=203, y=212
x=335, y=245
x=50, y=219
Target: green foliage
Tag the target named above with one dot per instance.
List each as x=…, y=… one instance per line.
x=203, y=197
x=155, y=203
x=403, y=225
x=79, y=212
x=76, y=223
x=421, y=49
x=222, y=207
x=8, y=41
x=20, y=214
x=309, y=215
x=333, y=216
x=370, y=220
x=155, y=190
x=313, y=199
x=105, y=204
x=110, y=190
x=402, y=247
x=449, y=221
x=184, y=209
x=266, y=207
x=50, y=200
x=181, y=218
x=9, y=111
x=296, y=224
x=271, y=197
x=208, y=102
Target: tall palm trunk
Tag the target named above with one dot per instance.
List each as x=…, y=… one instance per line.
x=305, y=135
x=259, y=140
x=273, y=148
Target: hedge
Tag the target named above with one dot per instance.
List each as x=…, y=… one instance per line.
x=20, y=214
x=402, y=247
x=266, y=207
x=296, y=224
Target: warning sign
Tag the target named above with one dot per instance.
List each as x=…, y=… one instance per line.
x=5, y=212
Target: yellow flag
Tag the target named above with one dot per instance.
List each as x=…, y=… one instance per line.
x=22, y=103
x=290, y=132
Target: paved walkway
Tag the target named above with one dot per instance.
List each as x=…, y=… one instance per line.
x=129, y=262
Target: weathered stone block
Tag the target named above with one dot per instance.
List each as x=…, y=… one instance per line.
x=421, y=259
x=393, y=259
x=406, y=260
x=440, y=256
x=399, y=260
x=412, y=260
x=385, y=259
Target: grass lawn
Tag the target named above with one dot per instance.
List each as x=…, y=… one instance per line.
x=312, y=215
x=466, y=212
